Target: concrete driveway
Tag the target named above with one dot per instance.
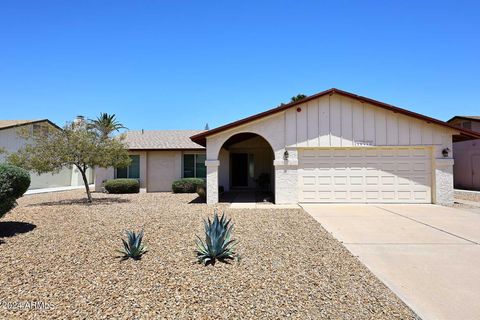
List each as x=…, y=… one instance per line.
x=428, y=255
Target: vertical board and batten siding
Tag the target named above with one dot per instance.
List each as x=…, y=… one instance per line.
x=337, y=121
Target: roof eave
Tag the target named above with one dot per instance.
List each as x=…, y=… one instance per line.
x=166, y=149
x=30, y=123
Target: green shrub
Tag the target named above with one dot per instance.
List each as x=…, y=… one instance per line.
x=118, y=186
x=14, y=181
x=187, y=185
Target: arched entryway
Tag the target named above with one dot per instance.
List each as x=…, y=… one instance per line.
x=246, y=172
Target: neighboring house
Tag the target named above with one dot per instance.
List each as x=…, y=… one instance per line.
x=159, y=157
x=336, y=146
x=466, y=171
x=12, y=140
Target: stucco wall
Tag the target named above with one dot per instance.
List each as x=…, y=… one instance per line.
x=102, y=175
x=158, y=169
x=163, y=168
x=224, y=169
x=330, y=121
x=48, y=180
x=466, y=176
x=11, y=141
x=76, y=176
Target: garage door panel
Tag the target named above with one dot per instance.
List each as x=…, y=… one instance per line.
x=309, y=180
x=388, y=195
x=356, y=180
x=365, y=175
x=340, y=180
x=356, y=195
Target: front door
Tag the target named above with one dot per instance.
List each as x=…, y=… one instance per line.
x=239, y=169
x=476, y=171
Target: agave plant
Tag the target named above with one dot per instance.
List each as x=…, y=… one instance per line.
x=133, y=246
x=218, y=244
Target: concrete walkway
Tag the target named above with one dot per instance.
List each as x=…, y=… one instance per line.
x=428, y=255
x=248, y=199
x=57, y=189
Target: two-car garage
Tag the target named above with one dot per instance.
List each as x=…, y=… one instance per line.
x=365, y=175
x=339, y=147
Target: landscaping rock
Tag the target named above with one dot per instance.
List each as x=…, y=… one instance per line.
x=289, y=267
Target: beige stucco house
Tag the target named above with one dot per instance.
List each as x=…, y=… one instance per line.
x=466, y=170
x=335, y=146
x=12, y=139
x=159, y=157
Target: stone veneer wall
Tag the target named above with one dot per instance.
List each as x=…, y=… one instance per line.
x=444, y=191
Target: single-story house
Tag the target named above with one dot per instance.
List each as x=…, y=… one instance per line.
x=336, y=146
x=159, y=157
x=466, y=170
x=12, y=139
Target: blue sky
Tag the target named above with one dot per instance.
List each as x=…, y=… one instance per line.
x=180, y=64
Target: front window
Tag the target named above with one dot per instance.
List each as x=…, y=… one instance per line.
x=132, y=171
x=194, y=166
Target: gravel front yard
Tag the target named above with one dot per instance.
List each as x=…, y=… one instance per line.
x=64, y=255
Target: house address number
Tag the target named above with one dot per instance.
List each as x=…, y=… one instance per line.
x=364, y=143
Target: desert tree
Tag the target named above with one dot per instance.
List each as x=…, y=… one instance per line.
x=76, y=145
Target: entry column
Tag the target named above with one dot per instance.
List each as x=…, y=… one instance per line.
x=212, y=181
x=444, y=191
x=286, y=180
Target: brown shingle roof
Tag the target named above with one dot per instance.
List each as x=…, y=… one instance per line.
x=5, y=124
x=161, y=140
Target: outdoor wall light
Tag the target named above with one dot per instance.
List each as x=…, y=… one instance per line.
x=285, y=155
x=445, y=152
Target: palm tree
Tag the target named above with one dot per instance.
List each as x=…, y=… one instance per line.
x=106, y=124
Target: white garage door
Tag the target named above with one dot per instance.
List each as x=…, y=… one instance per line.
x=369, y=175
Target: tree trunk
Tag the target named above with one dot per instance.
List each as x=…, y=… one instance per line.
x=85, y=182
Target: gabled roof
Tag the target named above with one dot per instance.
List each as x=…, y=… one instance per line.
x=474, y=118
x=463, y=133
x=6, y=124
x=161, y=140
